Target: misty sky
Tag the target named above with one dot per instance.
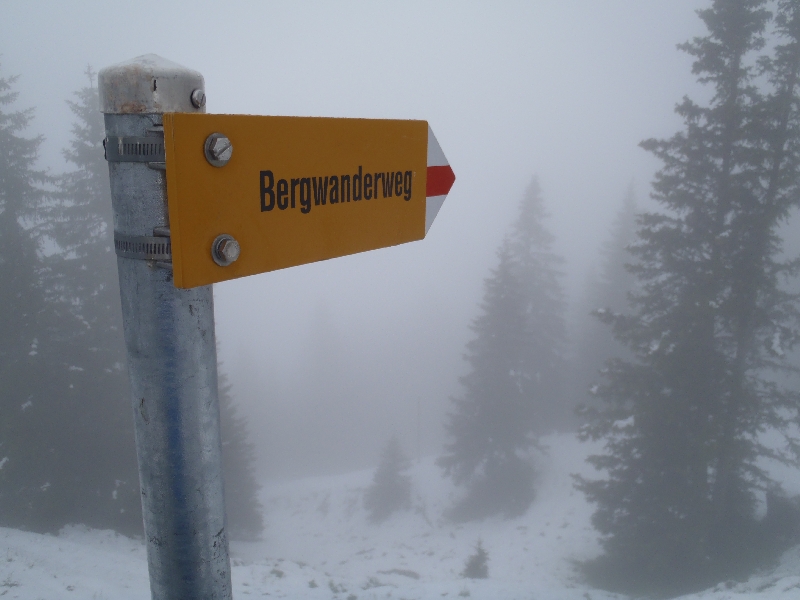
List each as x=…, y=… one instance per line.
x=329, y=359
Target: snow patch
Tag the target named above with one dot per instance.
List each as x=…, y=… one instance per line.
x=776, y=344
x=319, y=544
x=623, y=423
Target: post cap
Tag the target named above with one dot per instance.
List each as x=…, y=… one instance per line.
x=148, y=84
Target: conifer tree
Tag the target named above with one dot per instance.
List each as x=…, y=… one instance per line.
x=244, y=511
x=67, y=431
x=85, y=421
x=616, y=280
x=683, y=420
x=477, y=566
x=22, y=302
x=608, y=292
x=512, y=389
x=538, y=270
x=391, y=487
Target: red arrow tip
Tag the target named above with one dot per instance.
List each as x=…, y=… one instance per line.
x=440, y=180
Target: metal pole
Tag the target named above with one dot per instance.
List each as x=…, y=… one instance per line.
x=169, y=334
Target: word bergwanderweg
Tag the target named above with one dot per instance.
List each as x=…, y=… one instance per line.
x=332, y=189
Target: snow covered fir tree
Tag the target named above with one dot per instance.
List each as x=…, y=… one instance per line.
x=512, y=391
x=390, y=490
x=684, y=421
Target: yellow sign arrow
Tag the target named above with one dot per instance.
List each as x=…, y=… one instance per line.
x=251, y=194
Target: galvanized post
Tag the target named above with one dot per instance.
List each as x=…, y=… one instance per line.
x=169, y=334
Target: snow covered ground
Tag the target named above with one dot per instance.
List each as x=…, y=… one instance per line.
x=319, y=544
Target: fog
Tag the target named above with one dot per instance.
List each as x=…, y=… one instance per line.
x=328, y=360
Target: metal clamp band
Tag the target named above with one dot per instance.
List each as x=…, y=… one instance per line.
x=143, y=247
x=134, y=149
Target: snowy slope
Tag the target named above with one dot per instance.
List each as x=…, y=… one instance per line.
x=318, y=544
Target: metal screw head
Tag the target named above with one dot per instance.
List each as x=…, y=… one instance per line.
x=218, y=149
x=198, y=98
x=225, y=250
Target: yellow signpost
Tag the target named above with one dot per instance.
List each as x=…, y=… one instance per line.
x=291, y=190
x=244, y=195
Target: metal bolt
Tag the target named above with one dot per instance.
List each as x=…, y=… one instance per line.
x=225, y=250
x=198, y=98
x=218, y=149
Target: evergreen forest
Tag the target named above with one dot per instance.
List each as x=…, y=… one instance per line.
x=686, y=374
